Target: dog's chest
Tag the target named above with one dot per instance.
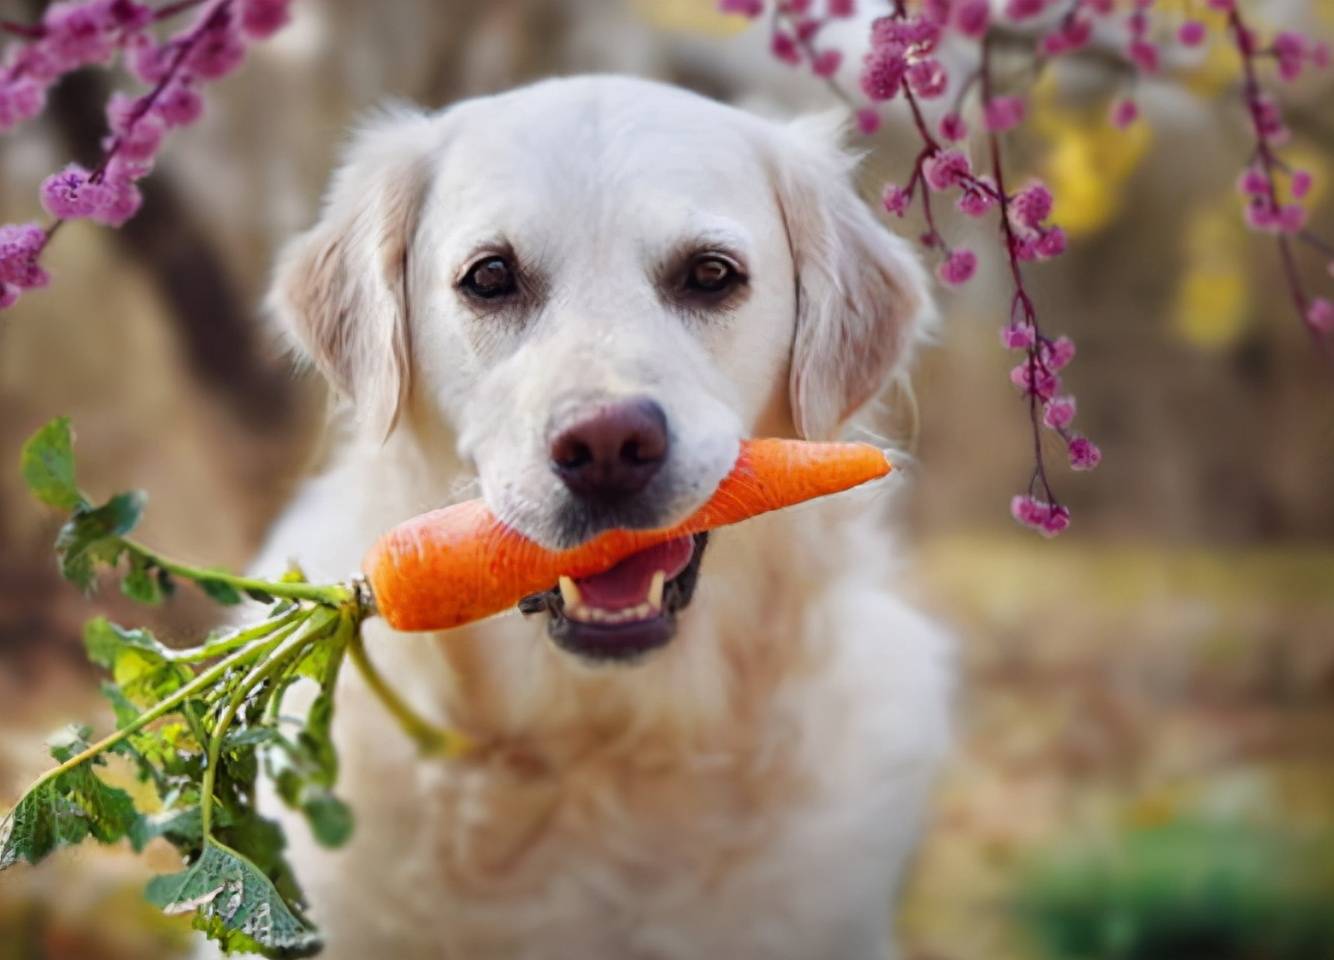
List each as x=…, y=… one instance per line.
x=612, y=858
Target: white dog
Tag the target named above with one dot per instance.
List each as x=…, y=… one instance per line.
x=583, y=294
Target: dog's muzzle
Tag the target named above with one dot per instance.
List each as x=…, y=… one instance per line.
x=623, y=613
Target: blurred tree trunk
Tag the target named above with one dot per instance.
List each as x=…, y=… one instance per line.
x=216, y=331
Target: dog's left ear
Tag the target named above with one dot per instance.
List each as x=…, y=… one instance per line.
x=863, y=298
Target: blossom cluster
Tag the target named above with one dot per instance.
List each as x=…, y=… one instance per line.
x=80, y=33
x=902, y=63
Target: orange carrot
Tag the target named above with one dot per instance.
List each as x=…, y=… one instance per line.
x=458, y=564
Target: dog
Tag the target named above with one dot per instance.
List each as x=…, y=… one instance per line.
x=574, y=299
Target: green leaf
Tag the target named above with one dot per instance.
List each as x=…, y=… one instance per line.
x=65, y=809
x=47, y=462
x=221, y=591
x=93, y=535
x=104, y=641
x=145, y=672
x=142, y=582
x=236, y=904
x=330, y=819
x=182, y=826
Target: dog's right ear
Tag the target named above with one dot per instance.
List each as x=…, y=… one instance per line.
x=340, y=290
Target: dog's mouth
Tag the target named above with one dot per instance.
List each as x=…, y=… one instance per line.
x=623, y=613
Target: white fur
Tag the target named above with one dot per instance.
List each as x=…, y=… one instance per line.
x=753, y=789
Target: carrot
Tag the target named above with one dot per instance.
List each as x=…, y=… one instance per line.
x=458, y=564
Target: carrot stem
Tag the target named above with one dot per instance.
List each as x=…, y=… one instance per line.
x=431, y=740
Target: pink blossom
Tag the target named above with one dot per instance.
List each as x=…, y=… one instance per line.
x=782, y=46
x=892, y=31
x=1320, y=56
x=1192, y=33
x=1253, y=183
x=1074, y=33
x=1031, y=205
x=70, y=194
x=138, y=134
x=1301, y=183
x=1260, y=214
x=958, y=268
x=128, y=15
x=1055, y=522
x=1144, y=55
x=827, y=62
x=1084, y=455
x=1320, y=315
x=1047, y=519
x=74, y=33
x=842, y=8
x=972, y=17
x=747, y=8
x=952, y=127
x=883, y=71
x=1124, y=112
x=122, y=202
x=975, y=201
x=807, y=29
x=37, y=63
x=9, y=295
x=868, y=121
x=1290, y=49
x=1291, y=218
x=263, y=18
x=1024, y=9
x=1028, y=510
x=1268, y=120
x=217, y=53
x=78, y=33
x=148, y=61
x=1289, y=68
x=927, y=78
x=20, y=100
x=1222, y=6
x=1059, y=412
x=895, y=199
x=1058, y=353
x=20, y=245
x=1018, y=336
x=1030, y=377
x=945, y=169
x=1003, y=113
x=1051, y=243
x=179, y=105
x=937, y=11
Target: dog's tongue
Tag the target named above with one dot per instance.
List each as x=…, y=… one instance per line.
x=627, y=583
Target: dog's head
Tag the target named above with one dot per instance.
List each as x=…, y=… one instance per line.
x=599, y=286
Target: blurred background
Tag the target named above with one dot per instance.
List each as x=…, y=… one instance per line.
x=1145, y=766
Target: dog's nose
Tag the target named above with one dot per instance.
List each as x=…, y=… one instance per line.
x=614, y=451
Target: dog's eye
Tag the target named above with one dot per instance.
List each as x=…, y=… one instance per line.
x=489, y=278
x=712, y=273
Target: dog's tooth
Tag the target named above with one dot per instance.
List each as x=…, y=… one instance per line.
x=569, y=592
x=655, y=589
